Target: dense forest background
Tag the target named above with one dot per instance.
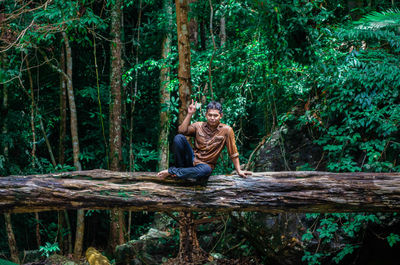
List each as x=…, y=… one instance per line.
x=98, y=84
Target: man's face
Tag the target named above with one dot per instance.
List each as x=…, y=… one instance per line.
x=213, y=117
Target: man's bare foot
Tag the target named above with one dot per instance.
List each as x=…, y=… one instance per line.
x=163, y=174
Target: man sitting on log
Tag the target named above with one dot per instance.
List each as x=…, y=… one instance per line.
x=209, y=139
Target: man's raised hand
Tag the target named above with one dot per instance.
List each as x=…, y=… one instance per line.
x=192, y=107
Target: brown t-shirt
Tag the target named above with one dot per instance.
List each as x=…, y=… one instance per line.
x=208, y=144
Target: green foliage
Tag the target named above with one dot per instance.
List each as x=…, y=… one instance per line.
x=327, y=230
x=312, y=259
x=48, y=249
x=6, y=262
x=379, y=20
x=356, y=111
x=393, y=239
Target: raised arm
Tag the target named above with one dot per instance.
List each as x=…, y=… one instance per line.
x=185, y=127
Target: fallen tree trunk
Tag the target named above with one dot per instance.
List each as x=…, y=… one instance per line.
x=263, y=192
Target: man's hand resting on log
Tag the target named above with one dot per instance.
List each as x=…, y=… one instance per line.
x=244, y=174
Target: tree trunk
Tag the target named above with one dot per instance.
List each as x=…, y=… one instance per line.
x=214, y=50
x=34, y=106
x=72, y=106
x=48, y=145
x=4, y=129
x=60, y=236
x=184, y=76
x=63, y=215
x=185, y=91
x=163, y=143
x=193, y=28
x=115, y=87
x=134, y=93
x=79, y=234
x=12, y=244
x=80, y=224
x=33, y=153
x=272, y=192
x=11, y=239
x=189, y=247
x=66, y=216
x=38, y=238
x=222, y=27
x=116, y=216
x=63, y=110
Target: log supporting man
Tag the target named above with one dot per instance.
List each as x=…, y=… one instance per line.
x=209, y=139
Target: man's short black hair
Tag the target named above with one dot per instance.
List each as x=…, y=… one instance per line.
x=214, y=105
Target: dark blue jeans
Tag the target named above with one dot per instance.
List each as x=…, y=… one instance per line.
x=184, y=156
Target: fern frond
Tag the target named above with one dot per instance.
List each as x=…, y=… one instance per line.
x=378, y=20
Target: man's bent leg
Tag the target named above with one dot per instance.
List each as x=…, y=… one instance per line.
x=197, y=172
x=183, y=152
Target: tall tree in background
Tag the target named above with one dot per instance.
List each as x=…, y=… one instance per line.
x=164, y=92
x=116, y=216
x=7, y=217
x=222, y=25
x=63, y=109
x=11, y=238
x=115, y=88
x=193, y=27
x=72, y=106
x=189, y=247
x=63, y=217
x=80, y=219
x=184, y=76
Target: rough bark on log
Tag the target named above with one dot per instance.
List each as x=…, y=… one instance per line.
x=264, y=192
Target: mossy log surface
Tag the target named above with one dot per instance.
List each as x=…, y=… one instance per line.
x=265, y=192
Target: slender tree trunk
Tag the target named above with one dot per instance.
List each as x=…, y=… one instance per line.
x=63, y=215
x=222, y=26
x=115, y=87
x=34, y=106
x=4, y=130
x=193, y=28
x=184, y=76
x=63, y=110
x=38, y=237
x=163, y=157
x=11, y=239
x=215, y=48
x=12, y=244
x=80, y=219
x=46, y=139
x=133, y=94
x=33, y=153
x=60, y=236
x=72, y=106
x=99, y=101
x=79, y=234
x=66, y=216
x=117, y=216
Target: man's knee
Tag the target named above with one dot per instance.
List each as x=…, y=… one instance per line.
x=208, y=170
x=179, y=138
x=205, y=170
